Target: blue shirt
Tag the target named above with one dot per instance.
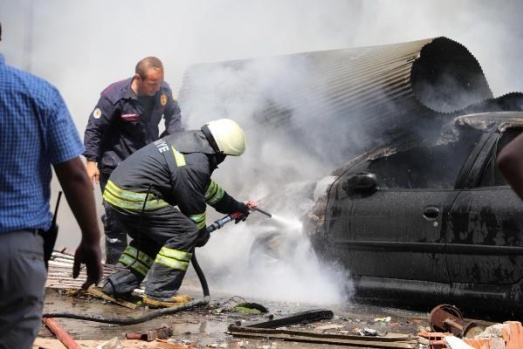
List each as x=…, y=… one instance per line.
x=36, y=130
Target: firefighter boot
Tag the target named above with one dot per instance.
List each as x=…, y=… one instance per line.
x=122, y=283
x=161, y=289
x=174, y=301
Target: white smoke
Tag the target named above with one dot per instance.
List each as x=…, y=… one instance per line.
x=272, y=258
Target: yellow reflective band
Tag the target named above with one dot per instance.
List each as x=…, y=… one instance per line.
x=213, y=193
x=174, y=259
x=199, y=219
x=175, y=254
x=142, y=257
x=179, y=158
x=133, y=263
x=131, y=200
x=171, y=263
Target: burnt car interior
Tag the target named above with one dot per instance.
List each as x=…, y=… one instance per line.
x=438, y=166
x=435, y=167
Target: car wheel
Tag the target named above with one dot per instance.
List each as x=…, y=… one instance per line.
x=279, y=252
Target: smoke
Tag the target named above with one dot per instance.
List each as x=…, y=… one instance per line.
x=83, y=47
x=272, y=258
x=273, y=157
x=299, y=276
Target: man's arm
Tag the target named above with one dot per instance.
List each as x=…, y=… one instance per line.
x=99, y=122
x=93, y=173
x=510, y=162
x=172, y=115
x=78, y=191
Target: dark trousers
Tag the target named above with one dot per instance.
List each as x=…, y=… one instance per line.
x=150, y=231
x=115, y=236
x=22, y=288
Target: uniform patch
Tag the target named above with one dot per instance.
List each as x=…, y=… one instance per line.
x=97, y=113
x=163, y=100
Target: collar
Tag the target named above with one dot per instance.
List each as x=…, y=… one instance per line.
x=128, y=91
x=2, y=59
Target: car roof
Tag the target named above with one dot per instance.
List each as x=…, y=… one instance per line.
x=486, y=121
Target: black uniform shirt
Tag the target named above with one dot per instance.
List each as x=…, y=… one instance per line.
x=153, y=169
x=122, y=123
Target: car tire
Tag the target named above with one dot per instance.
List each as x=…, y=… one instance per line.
x=277, y=252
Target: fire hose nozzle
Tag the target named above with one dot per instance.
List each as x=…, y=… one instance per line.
x=263, y=212
x=218, y=224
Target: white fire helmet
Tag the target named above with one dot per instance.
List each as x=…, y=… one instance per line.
x=227, y=136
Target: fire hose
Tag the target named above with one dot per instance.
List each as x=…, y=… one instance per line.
x=131, y=320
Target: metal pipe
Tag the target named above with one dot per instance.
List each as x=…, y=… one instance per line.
x=60, y=333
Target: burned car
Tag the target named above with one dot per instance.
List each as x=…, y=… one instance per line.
x=416, y=210
x=424, y=221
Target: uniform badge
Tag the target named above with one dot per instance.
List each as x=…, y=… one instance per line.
x=163, y=100
x=97, y=113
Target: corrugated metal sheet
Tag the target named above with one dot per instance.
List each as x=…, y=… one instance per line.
x=60, y=273
x=378, y=91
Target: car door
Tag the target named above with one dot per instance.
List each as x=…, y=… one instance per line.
x=485, y=232
x=395, y=232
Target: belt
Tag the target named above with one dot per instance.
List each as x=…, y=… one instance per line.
x=33, y=231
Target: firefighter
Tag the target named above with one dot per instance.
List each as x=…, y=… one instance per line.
x=159, y=195
x=126, y=118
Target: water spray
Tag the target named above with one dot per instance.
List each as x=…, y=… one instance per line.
x=289, y=223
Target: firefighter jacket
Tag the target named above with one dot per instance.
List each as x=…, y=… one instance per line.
x=174, y=170
x=123, y=122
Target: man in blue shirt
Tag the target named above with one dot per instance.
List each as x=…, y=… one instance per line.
x=126, y=118
x=37, y=132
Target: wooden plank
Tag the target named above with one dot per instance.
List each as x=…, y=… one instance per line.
x=52, y=343
x=389, y=341
x=60, y=274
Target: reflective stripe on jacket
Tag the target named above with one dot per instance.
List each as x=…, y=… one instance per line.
x=161, y=174
x=130, y=200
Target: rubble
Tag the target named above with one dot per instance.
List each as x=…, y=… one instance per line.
x=442, y=328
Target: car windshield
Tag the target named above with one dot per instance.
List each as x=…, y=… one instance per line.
x=432, y=166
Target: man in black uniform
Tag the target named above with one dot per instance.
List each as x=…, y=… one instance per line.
x=125, y=119
x=159, y=195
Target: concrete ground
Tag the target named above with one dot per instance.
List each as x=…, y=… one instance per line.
x=207, y=326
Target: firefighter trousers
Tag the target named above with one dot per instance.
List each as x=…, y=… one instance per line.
x=163, y=241
x=115, y=236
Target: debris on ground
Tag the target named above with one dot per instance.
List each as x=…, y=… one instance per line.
x=508, y=335
x=236, y=323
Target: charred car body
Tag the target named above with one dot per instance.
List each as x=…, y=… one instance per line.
x=432, y=222
x=421, y=222
x=419, y=214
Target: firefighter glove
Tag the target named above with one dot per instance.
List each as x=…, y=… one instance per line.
x=242, y=211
